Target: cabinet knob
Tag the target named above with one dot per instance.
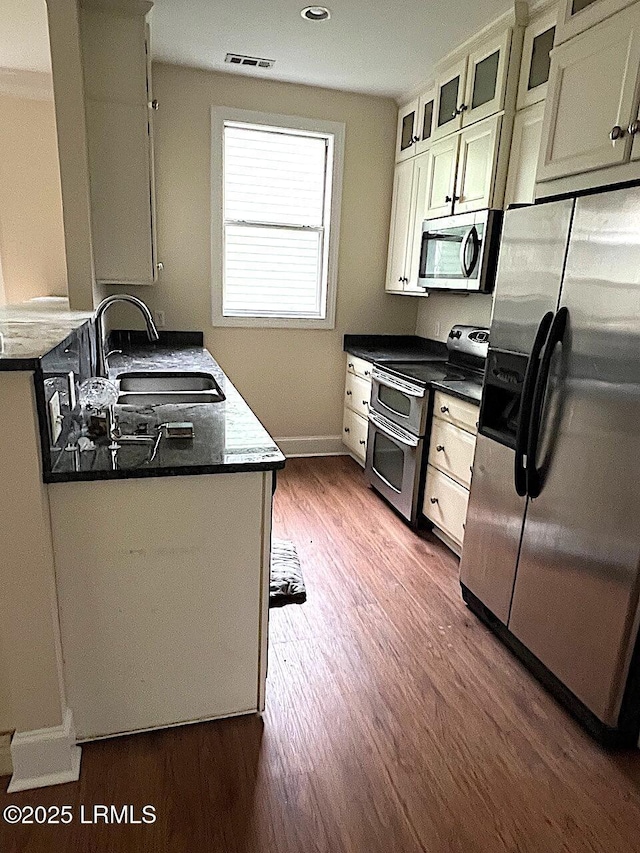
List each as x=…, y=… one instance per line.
x=154, y=104
x=416, y=139
x=346, y=429
x=461, y=109
x=362, y=441
x=367, y=373
x=444, y=409
x=350, y=364
x=634, y=127
x=159, y=266
x=617, y=132
x=440, y=448
x=450, y=198
x=434, y=500
x=349, y=393
x=365, y=403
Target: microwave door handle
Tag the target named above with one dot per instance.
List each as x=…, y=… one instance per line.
x=413, y=442
x=471, y=235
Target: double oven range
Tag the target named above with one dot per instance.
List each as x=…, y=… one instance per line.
x=400, y=412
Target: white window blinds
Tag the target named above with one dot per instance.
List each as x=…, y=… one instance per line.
x=277, y=188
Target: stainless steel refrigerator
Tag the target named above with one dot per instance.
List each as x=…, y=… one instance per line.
x=551, y=556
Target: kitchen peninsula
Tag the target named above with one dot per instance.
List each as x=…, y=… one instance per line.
x=158, y=569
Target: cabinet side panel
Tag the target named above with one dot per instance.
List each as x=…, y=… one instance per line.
x=160, y=594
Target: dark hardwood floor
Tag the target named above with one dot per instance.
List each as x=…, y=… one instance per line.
x=395, y=722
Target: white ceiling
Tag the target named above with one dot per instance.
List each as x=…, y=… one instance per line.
x=380, y=47
x=24, y=35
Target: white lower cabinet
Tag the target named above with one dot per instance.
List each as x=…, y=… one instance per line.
x=357, y=393
x=451, y=450
x=163, y=593
x=445, y=503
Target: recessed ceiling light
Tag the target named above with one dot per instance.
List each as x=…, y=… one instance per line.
x=316, y=13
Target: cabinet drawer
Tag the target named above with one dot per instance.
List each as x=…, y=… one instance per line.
x=359, y=366
x=445, y=503
x=451, y=450
x=357, y=392
x=460, y=413
x=354, y=434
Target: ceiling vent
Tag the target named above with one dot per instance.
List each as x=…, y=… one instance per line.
x=253, y=61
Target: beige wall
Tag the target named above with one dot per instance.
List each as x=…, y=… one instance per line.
x=31, y=233
x=440, y=311
x=31, y=694
x=293, y=379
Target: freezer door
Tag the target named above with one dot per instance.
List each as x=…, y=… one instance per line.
x=493, y=528
x=532, y=256
x=576, y=592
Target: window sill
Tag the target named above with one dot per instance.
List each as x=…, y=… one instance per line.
x=273, y=322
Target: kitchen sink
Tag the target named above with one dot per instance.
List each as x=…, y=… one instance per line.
x=170, y=381
x=168, y=388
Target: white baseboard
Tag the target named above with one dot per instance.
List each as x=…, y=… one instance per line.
x=6, y=765
x=45, y=757
x=312, y=445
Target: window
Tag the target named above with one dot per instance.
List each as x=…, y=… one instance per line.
x=276, y=202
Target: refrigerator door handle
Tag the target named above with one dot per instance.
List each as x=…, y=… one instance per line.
x=556, y=334
x=530, y=376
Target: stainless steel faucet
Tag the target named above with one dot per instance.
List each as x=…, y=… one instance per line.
x=152, y=332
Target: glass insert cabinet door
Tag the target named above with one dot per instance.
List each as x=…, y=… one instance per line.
x=578, y=16
x=426, y=115
x=408, y=129
x=486, y=79
x=449, y=98
x=539, y=39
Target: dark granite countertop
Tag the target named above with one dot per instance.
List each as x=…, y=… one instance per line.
x=228, y=437
x=30, y=330
x=412, y=348
x=468, y=389
x=395, y=348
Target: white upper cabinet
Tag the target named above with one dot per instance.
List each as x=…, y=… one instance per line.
x=539, y=38
x=634, y=132
x=523, y=159
x=426, y=112
x=407, y=132
x=577, y=16
x=441, y=178
x=473, y=86
x=477, y=165
x=450, y=89
x=119, y=110
x=400, y=231
x=592, y=98
x=420, y=198
x=486, y=79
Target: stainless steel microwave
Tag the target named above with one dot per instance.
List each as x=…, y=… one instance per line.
x=460, y=252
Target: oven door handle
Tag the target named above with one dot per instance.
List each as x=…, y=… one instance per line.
x=396, y=386
x=403, y=438
x=471, y=235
